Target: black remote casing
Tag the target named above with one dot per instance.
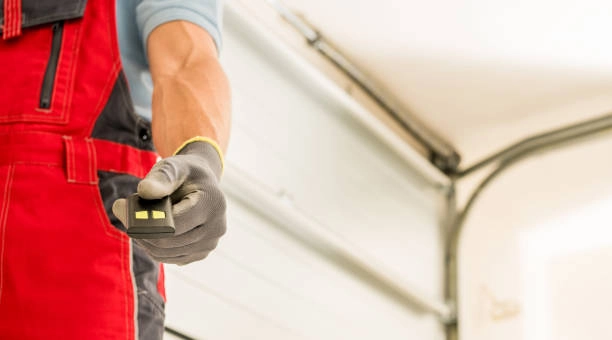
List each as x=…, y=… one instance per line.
x=149, y=219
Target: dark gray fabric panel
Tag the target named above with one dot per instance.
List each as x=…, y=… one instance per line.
x=151, y=312
x=119, y=123
x=146, y=270
x=37, y=12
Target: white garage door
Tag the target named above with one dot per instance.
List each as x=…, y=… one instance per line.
x=292, y=140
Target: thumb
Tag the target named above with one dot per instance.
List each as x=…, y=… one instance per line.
x=120, y=210
x=163, y=179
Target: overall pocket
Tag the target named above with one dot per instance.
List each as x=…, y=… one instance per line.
x=64, y=268
x=35, y=66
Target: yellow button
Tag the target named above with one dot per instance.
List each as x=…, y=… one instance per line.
x=158, y=215
x=142, y=215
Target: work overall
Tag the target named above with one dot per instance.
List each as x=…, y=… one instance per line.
x=70, y=144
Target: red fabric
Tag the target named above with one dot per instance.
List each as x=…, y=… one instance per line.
x=12, y=19
x=30, y=54
x=53, y=150
x=80, y=160
x=88, y=66
x=65, y=271
x=116, y=157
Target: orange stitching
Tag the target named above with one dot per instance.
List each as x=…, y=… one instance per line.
x=72, y=71
x=109, y=229
x=118, y=235
x=130, y=288
x=17, y=25
x=7, y=20
x=125, y=294
x=116, y=68
x=51, y=165
x=91, y=160
x=13, y=18
x=70, y=166
x=94, y=158
x=69, y=95
x=87, y=172
x=112, y=32
x=72, y=155
x=104, y=94
x=3, y=219
x=19, y=117
x=12, y=21
x=67, y=156
x=115, y=233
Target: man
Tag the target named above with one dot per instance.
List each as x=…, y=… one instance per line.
x=72, y=147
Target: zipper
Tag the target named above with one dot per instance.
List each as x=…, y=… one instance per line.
x=49, y=79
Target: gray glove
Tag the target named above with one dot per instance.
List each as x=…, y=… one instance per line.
x=191, y=179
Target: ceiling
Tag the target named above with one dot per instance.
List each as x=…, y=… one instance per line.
x=480, y=73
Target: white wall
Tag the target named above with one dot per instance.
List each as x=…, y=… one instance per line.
x=534, y=259
x=261, y=283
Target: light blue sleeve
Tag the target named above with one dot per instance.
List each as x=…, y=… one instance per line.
x=135, y=21
x=204, y=13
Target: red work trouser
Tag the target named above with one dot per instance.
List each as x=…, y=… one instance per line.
x=70, y=144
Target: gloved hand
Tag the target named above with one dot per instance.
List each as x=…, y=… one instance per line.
x=191, y=179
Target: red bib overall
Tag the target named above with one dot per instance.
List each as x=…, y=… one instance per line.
x=70, y=144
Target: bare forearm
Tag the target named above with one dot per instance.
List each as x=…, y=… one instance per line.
x=191, y=95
